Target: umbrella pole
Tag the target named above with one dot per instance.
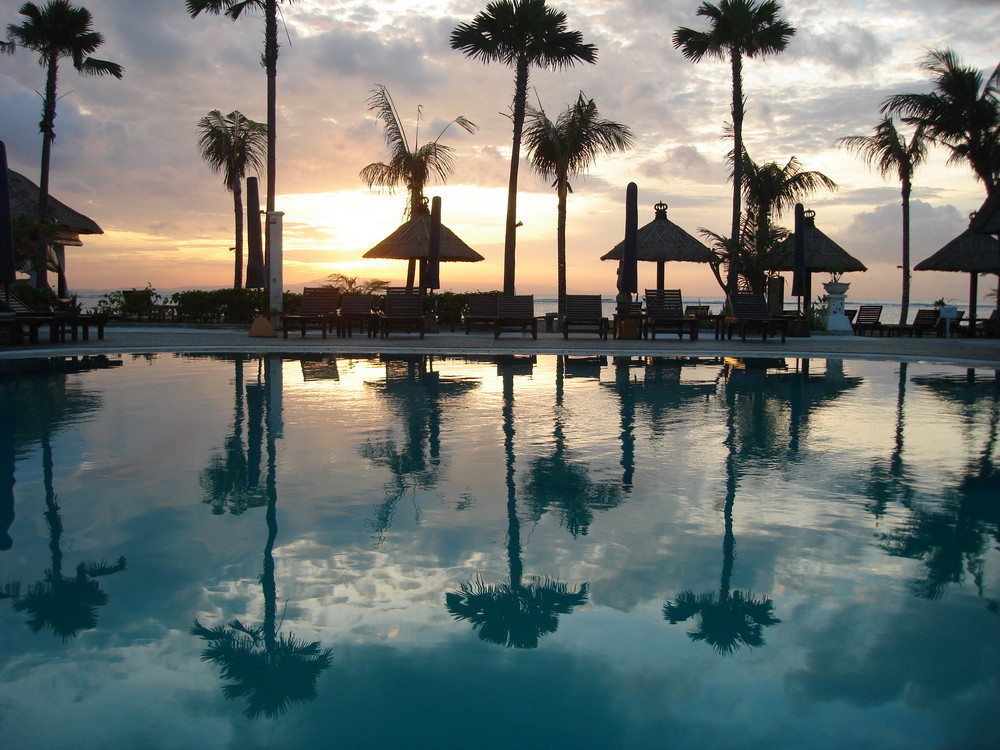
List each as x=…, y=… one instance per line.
x=973, y=292
x=660, y=273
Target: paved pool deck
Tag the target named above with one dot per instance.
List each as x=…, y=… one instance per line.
x=137, y=338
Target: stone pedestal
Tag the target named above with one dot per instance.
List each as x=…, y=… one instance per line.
x=836, y=320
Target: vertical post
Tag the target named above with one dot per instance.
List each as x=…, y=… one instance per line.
x=275, y=287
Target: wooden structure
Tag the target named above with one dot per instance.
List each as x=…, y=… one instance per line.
x=319, y=309
x=665, y=312
x=515, y=312
x=583, y=312
x=750, y=311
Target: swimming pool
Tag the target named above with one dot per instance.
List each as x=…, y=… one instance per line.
x=364, y=551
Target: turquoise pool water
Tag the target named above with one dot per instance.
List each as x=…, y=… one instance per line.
x=447, y=552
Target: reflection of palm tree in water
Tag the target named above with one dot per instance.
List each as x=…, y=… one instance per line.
x=270, y=669
x=730, y=619
x=513, y=613
x=556, y=481
x=232, y=480
x=952, y=538
x=64, y=604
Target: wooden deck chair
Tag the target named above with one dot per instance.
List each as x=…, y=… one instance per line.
x=750, y=311
x=867, y=320
x=319, y=309
x=665, y=312
x=924, y=321
x=356, y=309
x=404, y=309
x=480, y=310
x=515, y=312
x=583, y=312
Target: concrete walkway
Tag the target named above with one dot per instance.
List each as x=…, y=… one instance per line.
x=124, y=338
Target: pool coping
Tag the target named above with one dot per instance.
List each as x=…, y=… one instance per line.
x=149, y=339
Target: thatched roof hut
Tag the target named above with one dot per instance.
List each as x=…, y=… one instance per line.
x=69, y=224
x=971, y=252
x=822, y=253
x=987, y=218
x=412, y=241
x=661, y=241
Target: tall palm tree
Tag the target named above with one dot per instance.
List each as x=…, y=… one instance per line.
x=888, y=151
x=566, y=148
x=233, y=145
x=738, y=29
x=520, y=34
x=962, y=114
x=234, y=9
x=409, y=166
x=56, y=30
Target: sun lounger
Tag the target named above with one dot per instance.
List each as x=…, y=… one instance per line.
x=356, y=309
x=750, y=311
x=665, y=313
x=404, y=309
x=924, y=321
x=867, y=320
x=583, y=312
x=480, y=310
x=515, y=312
x=319, y=308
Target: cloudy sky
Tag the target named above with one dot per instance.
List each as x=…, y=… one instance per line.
x=126, y=153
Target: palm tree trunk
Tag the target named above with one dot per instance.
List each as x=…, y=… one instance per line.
x=510, y=231
x=48, y=135
x=732, y=278
x=237, y=189
x=561, y=244
x=905, y=302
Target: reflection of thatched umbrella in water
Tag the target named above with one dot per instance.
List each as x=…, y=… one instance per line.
x=556, y=481
x=513, y=613
x=891, y=482
x=951, y=537
x=730, y=619
x=418, y=395
x=661, y=241
x=271, y=670
x=411, y=242
x=972, y=253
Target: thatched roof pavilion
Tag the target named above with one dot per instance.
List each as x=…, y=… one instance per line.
x=68, y=224
x=987, y=218
x=971, y=252
x=661, y=241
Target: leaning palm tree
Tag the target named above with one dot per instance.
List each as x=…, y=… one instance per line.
x=888, y=151
x=234, y=9
x=520, y=34
x=738, y=29
x=55, y=31
x=233, y=145
x=962, y=114
x=409, y=166
x=566, y=148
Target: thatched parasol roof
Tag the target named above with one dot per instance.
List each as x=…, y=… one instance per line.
x=971, y=251
x=69, y=224
x=661, y=240
x=987, y=218
x=412, y=241
x=822, y=253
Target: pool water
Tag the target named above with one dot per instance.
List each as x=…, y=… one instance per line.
x=211, y=551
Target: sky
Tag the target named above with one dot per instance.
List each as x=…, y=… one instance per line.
x=126, y=150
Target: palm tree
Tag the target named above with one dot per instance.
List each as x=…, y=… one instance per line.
x=354, y=285
x=234, y=9
x=739, y=28
x=56, y=30
x=565, y=148
x=962, y=114
x=412, y=168
x=888, y=151
x=520, y=34
x=233, y=145
x=770, y=189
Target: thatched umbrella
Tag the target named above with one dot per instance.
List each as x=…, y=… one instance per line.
x=660, y=241
x=971, y=252
x=412, y=241
x=67, y=224
x=821, y=254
